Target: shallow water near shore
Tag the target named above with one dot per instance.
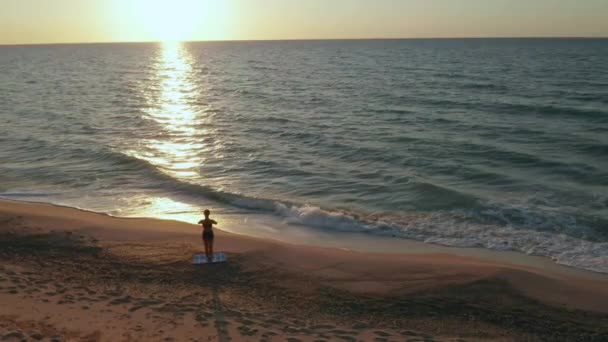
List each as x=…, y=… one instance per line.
x=486, y=143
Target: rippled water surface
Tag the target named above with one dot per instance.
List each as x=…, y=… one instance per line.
x=500, y=144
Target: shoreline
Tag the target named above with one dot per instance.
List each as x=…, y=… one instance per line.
x=54, y=260
x=368, y=243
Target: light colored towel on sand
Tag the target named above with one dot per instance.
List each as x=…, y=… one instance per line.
x=200, y=259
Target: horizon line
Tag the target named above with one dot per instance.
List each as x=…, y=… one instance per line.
x=300, y=39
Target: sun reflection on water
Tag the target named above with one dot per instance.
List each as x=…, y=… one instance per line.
x=178, y=146
x=165, y=208
x=178, y=140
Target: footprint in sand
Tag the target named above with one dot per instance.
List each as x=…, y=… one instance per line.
x=14, y=336
x=360, y=326
x=246, y=322
x=247, y=331
x=343, y=332
x=322, y=327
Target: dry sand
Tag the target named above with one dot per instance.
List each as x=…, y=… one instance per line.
x=67, y=274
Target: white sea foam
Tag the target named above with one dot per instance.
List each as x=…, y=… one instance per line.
x=451, y=230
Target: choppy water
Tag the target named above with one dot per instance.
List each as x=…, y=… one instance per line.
x=500, y=144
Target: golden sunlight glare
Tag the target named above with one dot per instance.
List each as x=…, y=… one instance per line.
x=179, y=20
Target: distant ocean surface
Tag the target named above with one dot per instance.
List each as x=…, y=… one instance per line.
x=492, y=143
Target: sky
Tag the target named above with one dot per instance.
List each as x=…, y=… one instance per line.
x=71, y=21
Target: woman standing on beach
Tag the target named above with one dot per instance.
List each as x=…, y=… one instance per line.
x=208, y=236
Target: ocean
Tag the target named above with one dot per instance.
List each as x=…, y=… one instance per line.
x=492, y=143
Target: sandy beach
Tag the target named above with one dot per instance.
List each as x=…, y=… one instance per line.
x=72, y=275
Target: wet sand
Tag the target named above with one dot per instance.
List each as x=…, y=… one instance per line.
x=67, y=274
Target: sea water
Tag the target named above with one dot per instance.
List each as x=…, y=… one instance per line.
x=492, y=143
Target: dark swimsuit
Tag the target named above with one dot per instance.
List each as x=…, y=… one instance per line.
x=207, y=231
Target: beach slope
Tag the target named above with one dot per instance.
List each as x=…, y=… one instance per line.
x=70, y=274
